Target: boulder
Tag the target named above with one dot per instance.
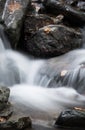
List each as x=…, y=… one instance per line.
x=32, y=23
x=52, y=40
x=71, y=118
x=13, y=17
x=73, y=10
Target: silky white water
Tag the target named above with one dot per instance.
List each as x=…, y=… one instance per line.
x=47, y=99
x=22, y=75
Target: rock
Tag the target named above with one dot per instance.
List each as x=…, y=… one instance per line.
x=13, y=16
x=4, y=95
x=32, y=23
x=2, y=4
x=71, y=118
x=52, y=40
x=20, y=124
x=73, y=10
x=7, y=112
x=23, y=123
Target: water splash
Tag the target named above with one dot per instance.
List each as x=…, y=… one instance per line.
x=46, y=99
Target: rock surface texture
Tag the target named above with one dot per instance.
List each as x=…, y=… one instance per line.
x=52, y=40
x=71, y=118
x=4, y=96
x=13, y=15
x=73, y=10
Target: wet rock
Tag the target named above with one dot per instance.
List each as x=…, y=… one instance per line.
x=73, y=10
x=2, y=4
x=13, y=16
x=7, y=112
x=32, y=24
x=4, y=95
x=21, y=124
x=71, y=118
x=53, y=40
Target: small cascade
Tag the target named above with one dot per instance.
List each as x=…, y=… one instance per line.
x=66, y=70
x=4, y=42
x=43, y=84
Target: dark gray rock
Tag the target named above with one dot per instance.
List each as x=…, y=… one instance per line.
x=53, y=40
x=73, y=10
x=24, y=122
x=32, y=23
x=4, y=96
x=20, y=124
x=71, y=118
x=13, y=16
x=7, y=112
x=2, y=4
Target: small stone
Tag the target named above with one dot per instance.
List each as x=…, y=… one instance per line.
x=24, y=122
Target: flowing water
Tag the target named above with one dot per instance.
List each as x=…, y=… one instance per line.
x=43, y=85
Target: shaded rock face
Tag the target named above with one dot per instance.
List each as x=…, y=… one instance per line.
x=4, y=95
x=2, y=4
x=73, y=10
x=52, y=40
x=71, y=118
x=13, y=15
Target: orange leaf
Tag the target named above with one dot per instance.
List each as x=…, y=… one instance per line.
x=78, y=108
x=2, y=119
x=47, y=30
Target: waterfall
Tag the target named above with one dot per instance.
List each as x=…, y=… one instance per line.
x=43, y=84
x=4, y=42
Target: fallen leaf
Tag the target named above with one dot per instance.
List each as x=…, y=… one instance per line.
x=13, y=6
x=78, y=108
x=63, y=73
x=2, y=119
x=47, y=30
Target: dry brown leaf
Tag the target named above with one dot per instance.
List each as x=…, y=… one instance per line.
x=63, y=73
x=47, y=30
x=13, y=6
x=78, y=108
x=2, y=119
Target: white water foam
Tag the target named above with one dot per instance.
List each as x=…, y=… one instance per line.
x=46, y=99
